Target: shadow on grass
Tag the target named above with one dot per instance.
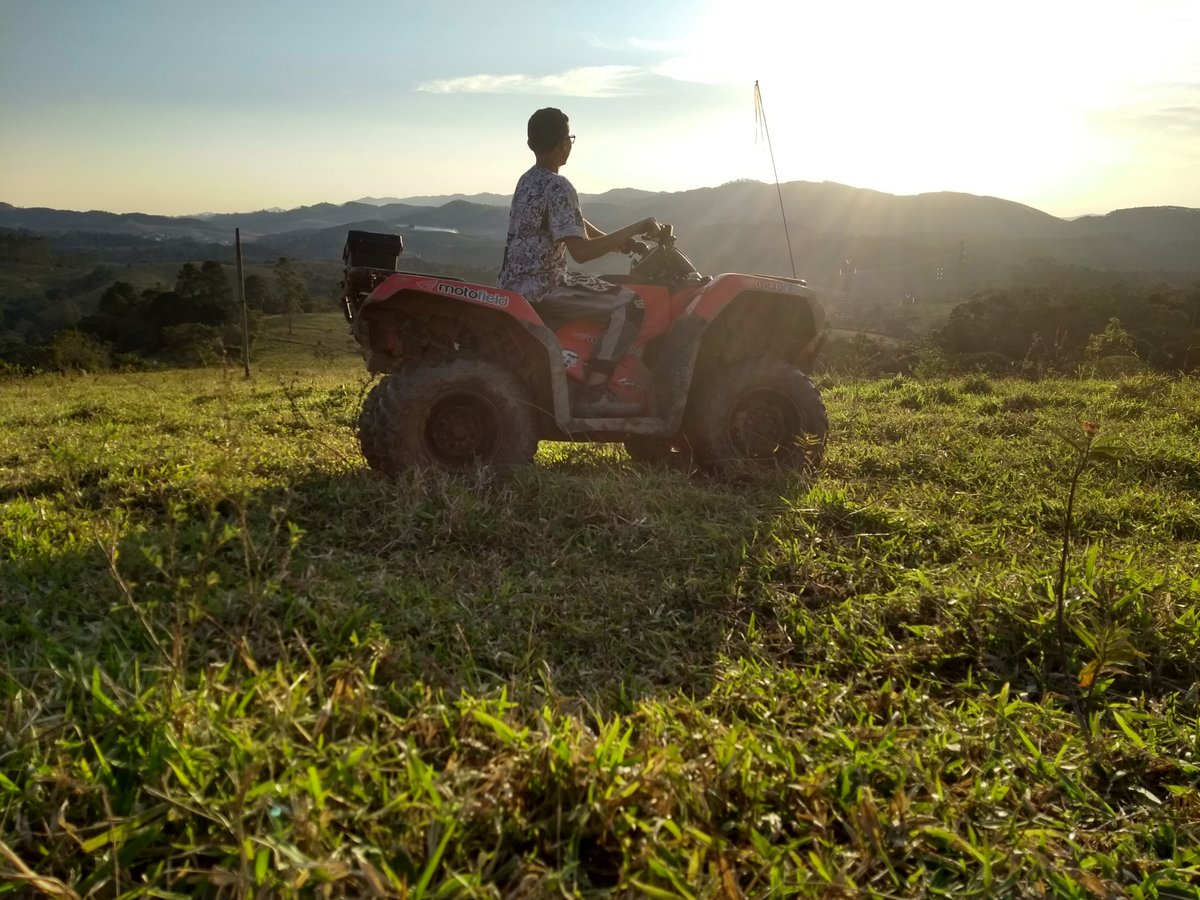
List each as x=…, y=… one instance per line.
x=563, y=582
x=587, y=581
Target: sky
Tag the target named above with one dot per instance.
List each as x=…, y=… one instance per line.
x=172, y=107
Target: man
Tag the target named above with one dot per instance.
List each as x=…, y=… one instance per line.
x=544, y=224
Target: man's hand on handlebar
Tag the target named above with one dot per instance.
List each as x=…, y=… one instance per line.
x=650, y=227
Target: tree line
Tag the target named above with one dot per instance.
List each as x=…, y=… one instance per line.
x=1047, y=325
x=196, y=321
x=1060, y=327
x=1052, y=318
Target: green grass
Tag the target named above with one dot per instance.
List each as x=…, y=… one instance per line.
x=237, y=664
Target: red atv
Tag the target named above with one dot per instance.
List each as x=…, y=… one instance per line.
x=473, y=376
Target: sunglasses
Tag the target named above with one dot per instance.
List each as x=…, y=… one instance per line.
x=570, y=137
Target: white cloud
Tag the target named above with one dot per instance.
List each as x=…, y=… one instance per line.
x=658, y=45
x=588, y=81
x=1163, y=114
x=635, y=43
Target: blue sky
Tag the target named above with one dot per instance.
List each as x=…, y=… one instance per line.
x=170, y=107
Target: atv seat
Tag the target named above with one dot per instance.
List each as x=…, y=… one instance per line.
x=642, y=279
x=631, y=279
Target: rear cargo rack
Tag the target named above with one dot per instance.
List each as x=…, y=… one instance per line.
x=368, y=250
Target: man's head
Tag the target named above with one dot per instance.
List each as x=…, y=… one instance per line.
x=550, y=135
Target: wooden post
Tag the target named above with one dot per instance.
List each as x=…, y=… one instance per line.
x=237, y=241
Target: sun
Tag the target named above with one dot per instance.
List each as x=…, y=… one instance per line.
x=903, y=98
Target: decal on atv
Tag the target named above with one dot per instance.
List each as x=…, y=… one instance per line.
x=469, y=293
x=781, y=286
x=569, y=358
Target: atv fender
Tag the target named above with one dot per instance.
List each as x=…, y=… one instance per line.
x=505, y=315
x=733, y=318
x=453, y=289
x=753, y=315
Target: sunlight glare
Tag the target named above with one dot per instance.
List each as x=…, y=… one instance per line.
x=936, y=96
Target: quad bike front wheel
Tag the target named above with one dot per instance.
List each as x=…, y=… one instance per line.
x=764, y=412
x=457, y=414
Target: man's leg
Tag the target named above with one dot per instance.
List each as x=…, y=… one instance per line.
x=622, y=308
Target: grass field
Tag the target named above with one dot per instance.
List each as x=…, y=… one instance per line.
x=235, y=663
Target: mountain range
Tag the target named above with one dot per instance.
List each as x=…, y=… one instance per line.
x=892, y=242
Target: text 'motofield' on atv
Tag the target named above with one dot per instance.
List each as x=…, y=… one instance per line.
x=473, y=376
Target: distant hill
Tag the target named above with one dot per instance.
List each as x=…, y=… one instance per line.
x=45, y=220
x=1155, y=224
x=820, y=207
x=623, y=196
x=934, y=242
x=440, y=200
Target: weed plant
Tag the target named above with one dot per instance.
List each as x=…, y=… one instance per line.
x=235, y=663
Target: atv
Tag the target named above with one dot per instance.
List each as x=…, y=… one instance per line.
x=474, y=377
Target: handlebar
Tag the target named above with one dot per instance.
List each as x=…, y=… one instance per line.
x=661, y=262
x=665, y=238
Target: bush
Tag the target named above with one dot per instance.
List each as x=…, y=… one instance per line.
x=1116, y=366
x=860, y=355
x=987, y=362
x=977, y=384
x=74, y=351
x=193, y=344
x=130, y=362
x=10, y=370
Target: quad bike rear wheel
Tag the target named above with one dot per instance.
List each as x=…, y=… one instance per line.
x=457, y=414
x=764, y=411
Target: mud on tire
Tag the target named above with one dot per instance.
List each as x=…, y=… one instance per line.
x=457, y=414
x=764, y=411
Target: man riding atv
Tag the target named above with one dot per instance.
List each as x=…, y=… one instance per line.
x=704, y=372
x=545, y=223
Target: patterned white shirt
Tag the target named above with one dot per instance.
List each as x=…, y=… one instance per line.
x=545, y=209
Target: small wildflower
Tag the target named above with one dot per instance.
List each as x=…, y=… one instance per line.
x=1090, y=427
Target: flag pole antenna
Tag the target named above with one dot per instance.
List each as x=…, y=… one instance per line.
x=760, y=118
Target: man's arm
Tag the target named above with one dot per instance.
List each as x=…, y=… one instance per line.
x=595, y=245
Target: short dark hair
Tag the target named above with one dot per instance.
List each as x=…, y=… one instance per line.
x=547, y=129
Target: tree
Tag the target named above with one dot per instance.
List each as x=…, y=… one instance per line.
x=25, y=248
x=258, y=294
x=202, y=294
x=119, y=300
x=1049, y=324
x=173, y=308
x=292, y=292
x=57, y=315
x=120, y=318
x=214, y=286
x=188, y=283
x=1169, y=329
